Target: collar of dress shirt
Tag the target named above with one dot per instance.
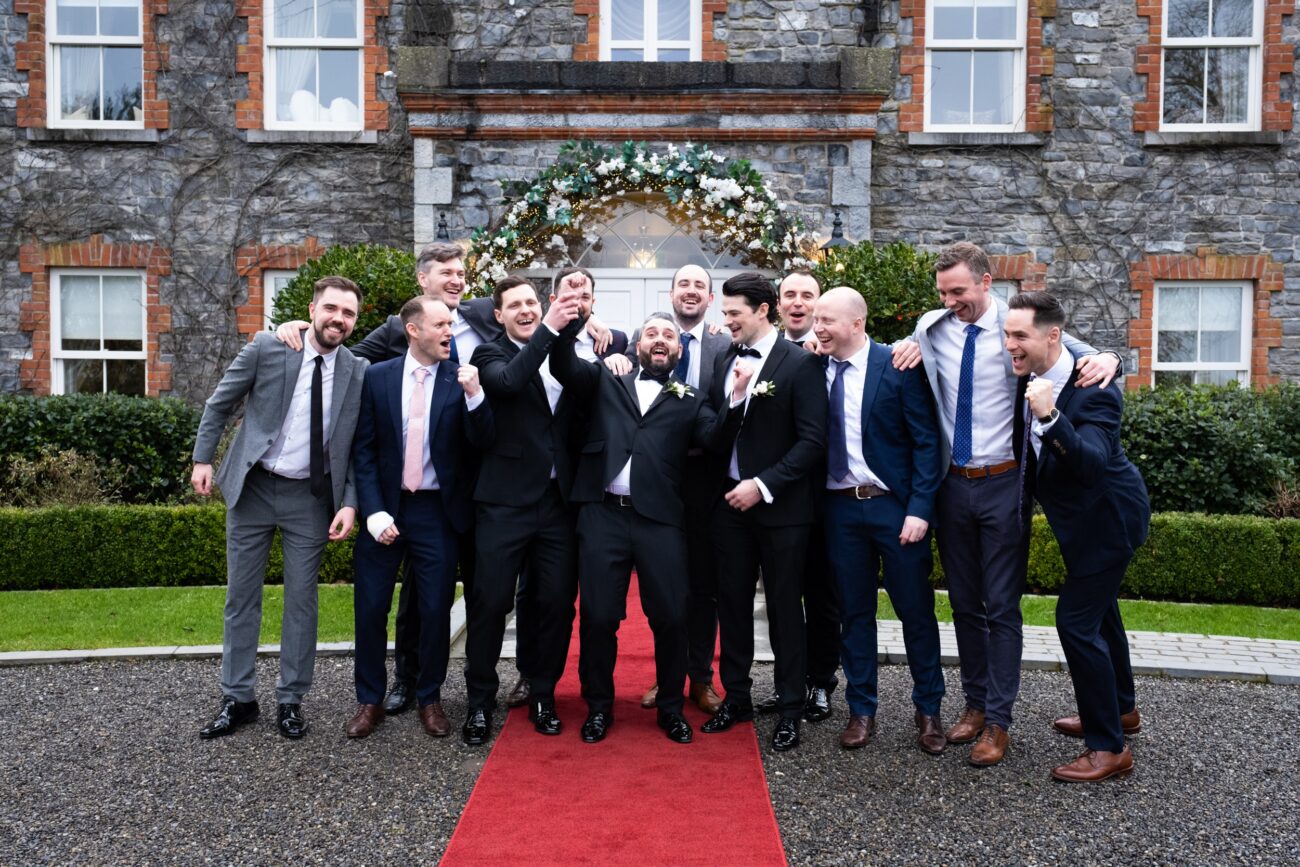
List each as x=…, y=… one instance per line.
x=309, y=352
x=411, y=364
x=858, y=360
x=697, y=332
x=1059, y=373
x=765, y=344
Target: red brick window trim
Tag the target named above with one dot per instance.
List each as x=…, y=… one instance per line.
x=36, y=373
x=1021, y=269
x=252, y=59
x=1268, y=112
x=709, y=48
x=1263, y=274
x=252, y=263
x=39, y=109
x=1039, y=63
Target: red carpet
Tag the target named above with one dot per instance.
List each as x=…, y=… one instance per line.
x=635, y=798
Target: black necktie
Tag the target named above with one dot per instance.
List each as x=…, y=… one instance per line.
x=1026, y=445
x=744, y=351
x=317, y=429
x=661, y=378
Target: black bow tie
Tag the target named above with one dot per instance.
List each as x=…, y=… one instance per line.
x=661, y=378
x=746, y=351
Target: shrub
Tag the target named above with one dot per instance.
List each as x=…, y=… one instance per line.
x=142, y=444
x=386, y=276
x=57, y=478
x=896, y=280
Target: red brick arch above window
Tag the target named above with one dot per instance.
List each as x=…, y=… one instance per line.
x=1029, y=275
x=252, y=261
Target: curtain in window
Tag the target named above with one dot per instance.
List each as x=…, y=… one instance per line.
x=78, y=83
x=295, y=85
x=627, y=20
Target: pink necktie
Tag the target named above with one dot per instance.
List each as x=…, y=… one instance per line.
x=413, y=468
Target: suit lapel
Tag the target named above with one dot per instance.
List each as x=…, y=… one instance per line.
x=629, y=388
x=292, y=367
x=877, y=358
x=664, y=395
x=343, y=363
x=394, y=389
x=538, y=383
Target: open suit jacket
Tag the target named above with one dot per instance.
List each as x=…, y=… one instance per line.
x=265, y=372
x=389, y=340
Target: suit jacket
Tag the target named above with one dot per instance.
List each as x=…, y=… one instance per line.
x=265, y=372
x=454, y=433
x=900, y=435
x=712, y=345
x=1093, y=496
x=389, y=340
x=530, y=439
x=1076, y=348
x=782, y=439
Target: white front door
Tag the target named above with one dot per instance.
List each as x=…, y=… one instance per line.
x=626, y=296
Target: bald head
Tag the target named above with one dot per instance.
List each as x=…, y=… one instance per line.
x=691, y=294
x=839, y=321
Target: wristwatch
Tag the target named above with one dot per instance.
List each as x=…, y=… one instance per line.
x=1050, y=417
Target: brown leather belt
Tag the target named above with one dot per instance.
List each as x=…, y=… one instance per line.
x=983, y=472
x=861, y=492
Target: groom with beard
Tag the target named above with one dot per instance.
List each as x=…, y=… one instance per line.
x=628, y=485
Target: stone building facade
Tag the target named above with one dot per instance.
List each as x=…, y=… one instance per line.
x=1075, y=154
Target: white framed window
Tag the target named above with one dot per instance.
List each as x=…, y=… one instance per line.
x=1004, y=289
x=975, y=63
x=1210, y=74
x=1202, y=332
x=651, y=30
x=95, y=58
x=313, y=64
x=97, y=332
x=273, y=280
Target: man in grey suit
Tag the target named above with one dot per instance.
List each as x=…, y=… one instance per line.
x=285, y=470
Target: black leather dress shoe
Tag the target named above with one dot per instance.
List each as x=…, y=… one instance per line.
x=817, y=706
x=726, y=717
x=477, y=726
x=676, y=727
x=541, y=713
x=231, y=716
x=786, y=735
x=290, y=720
x=596, y=727
x=401, y=695
x=519, y=693
x=771, y=704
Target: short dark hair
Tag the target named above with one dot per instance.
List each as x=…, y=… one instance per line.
x=335, y=282
x=964, y=253
x=1047, y=308
x=574, y=269
x=755, y=289
x=505, y=284
x=414, y=309
x=437, y=252
x=804, y=272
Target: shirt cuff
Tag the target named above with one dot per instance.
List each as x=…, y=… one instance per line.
x=1039, y=428
x=736, y=403
x=550, y=329
x=377, y=523
x=473, y=403
x=762, y=489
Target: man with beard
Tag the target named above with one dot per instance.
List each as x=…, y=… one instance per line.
x=628, y=480
x=587, y=345
x=286, y=471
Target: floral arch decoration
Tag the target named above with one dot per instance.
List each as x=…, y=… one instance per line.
x=552, y=217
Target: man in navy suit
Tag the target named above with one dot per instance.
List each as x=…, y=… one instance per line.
x=1098, y=507
x=421, y=417
x=883, y=472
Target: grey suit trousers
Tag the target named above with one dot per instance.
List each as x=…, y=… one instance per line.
x=268, y=503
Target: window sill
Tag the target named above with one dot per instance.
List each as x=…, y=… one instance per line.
x=133, y=136
x=975, y=139
x=1211, y=138
x=313, y=136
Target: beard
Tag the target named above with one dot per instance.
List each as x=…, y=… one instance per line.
x=657, y=365
x=328, y=339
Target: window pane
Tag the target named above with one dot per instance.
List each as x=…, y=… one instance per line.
x=337, y=19
x=78, y=83
x=1184, y=85
x=1234, y=18
x=1227, y=94
x=993, y=98
x=627, y=20
x=293, y=19
x=1220, y=323
x=674, y=20
x=79, y=313
x=1175, y=377
x=123, y=314
x=123, y=75
x=626, y=54
x=954, y=19
x=119, y=17
x=1189, y=18
x=75, y=17
x=950, y=87
x=338, y=87
x=996, y=19
x=674, y=54
x=83, y=376
x=1220, y=377
x=295, y=85
x=1179, y=315
x=125, y=377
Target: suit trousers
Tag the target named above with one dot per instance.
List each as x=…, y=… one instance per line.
x=1096, y=648
x=612, y=540
x=699, y=491
x=861, y=536
x=266, y=504
x=821, y=613
x=985, y=555
x=743, y=546
x=542, y=536
x=428, y=544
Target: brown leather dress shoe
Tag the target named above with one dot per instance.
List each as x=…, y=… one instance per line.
x=519, y=693
x=857, y=732
x=651, y=698
x=1095, y=765
x=703, y=697
x=991, y=747
x=1073, y=726
x=364, y=721
x=967, y=728
x=929, y=734
x=435, y=721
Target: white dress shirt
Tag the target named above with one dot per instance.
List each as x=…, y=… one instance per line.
x=646, y=392
x=290, y=454
x=993, y=395
x=553, y=387
x=1058, y=375
x=855, y=380
x=584, y=347
x=697, y=353
x=467, y=339
x=764, y=348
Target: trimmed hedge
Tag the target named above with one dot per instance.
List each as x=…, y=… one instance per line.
x=1188, y=558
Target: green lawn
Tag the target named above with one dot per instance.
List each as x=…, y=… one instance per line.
x=148, y=616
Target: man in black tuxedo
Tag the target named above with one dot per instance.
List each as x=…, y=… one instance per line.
x=764, y=519
x=629, y=481
x=587, y=344
x=522, y=514
x=1098, y=507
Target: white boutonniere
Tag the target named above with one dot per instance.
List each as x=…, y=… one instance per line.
x=677, y=389
x=766, y=388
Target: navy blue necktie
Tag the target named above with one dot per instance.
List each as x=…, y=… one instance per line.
x=962, y=438
x=837, y=455
x=455, y=356
x=684, y=363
